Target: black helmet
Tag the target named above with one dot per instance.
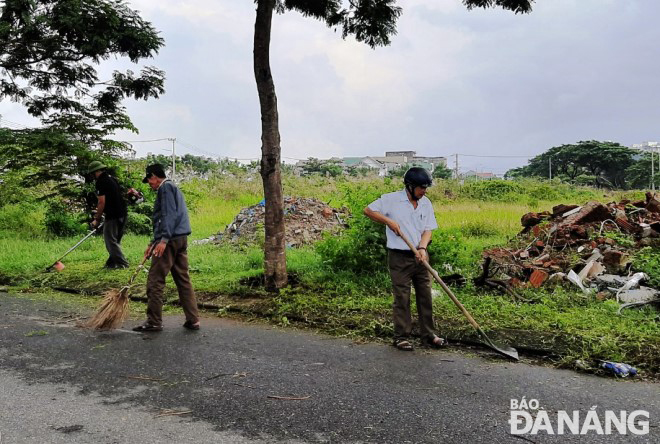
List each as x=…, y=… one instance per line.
x=418, y=177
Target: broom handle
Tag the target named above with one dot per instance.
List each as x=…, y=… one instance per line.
x=443, y=285
x=137, y=271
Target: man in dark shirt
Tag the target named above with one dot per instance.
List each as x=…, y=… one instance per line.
x=110, y=203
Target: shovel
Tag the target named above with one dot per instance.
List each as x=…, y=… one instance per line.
x=509, y=352
x=59, y=266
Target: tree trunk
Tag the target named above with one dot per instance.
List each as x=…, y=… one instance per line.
x=274, y=247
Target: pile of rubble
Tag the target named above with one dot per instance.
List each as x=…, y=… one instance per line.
x=584, y=245
x=305, y=220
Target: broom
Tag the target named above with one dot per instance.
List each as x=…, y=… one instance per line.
x=114, y=307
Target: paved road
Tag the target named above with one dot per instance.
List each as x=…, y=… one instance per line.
x=60, y=383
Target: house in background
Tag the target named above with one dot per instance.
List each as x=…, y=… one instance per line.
x=474, y=175
x=647, y=146
x=392, y=160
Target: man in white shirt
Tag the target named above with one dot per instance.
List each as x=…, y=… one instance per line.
x=409, y=212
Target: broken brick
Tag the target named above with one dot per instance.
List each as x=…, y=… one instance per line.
x=537, y=278
x=625, y=225
x=591, y=212
x=530, y=219
x=560, y=209
x=652, y=204
x=614, y=257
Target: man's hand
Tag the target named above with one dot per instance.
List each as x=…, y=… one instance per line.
x=94, y=224
x=394, y=227
x=422, y=255
x=159, y=249
x=147, y=252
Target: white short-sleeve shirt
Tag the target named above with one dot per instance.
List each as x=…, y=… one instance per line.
x=413, y=221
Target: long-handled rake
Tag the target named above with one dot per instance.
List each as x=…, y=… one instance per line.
x=114, y=307
x=509, y=352
x=58, y=265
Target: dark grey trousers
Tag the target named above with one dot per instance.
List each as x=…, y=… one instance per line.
x=175, y=260
x=113, y=231
x=404, y=271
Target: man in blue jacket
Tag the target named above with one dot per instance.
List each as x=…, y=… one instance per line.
x=169, y=252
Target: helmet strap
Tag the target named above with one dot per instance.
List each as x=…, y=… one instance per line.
x=411, y=190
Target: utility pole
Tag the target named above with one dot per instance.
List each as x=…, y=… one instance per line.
x=652, y=172
x=173, y=140
x=456, y=166
x=550, y=166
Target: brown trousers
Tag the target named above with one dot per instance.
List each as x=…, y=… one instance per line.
x=405, y=270
x=175, y=260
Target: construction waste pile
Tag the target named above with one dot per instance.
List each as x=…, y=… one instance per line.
x=590, y=246
x=305, y=219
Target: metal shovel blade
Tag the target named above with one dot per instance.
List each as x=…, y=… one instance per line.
x=509, y=352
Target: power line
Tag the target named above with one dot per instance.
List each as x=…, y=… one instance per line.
x=478, y=155
x=194, y=148
x=145, y=141
x=246, y=160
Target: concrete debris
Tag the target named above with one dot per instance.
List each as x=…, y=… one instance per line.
x=305, y=219
x=591, y=245
x=642, y=294
x=575, y=279
x=631, y=284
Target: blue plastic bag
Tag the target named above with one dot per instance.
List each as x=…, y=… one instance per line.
x=619, y=369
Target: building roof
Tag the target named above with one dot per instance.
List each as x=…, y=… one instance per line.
x=351, y=161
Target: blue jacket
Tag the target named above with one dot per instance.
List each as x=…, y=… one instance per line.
x=170, y=216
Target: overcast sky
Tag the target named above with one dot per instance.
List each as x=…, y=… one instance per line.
x=480, y=82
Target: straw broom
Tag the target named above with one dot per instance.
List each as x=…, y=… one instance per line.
x=114, y=307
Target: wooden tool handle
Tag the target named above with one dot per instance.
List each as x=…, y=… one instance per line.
x=443, y=285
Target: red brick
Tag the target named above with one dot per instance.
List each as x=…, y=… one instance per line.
x=537, y=278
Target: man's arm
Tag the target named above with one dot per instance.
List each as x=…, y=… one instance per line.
x=99, y=211
x=167, y=219
x=426, y=239
x=382, y=219
x=422, y=253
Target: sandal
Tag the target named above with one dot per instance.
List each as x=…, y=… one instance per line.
x=191, y=326
x=403, y=345
x=436, y=342
x=148, y=327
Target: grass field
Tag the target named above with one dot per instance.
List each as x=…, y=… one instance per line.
x=350, y=302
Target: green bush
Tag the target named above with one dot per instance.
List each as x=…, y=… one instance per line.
x=478, y=229
x=61, y=222
x=144, y=208
x=360, y=248
x=137, y=223
x=494, y=190
x=526, y=191
x=25, y=219
x=448, y=248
